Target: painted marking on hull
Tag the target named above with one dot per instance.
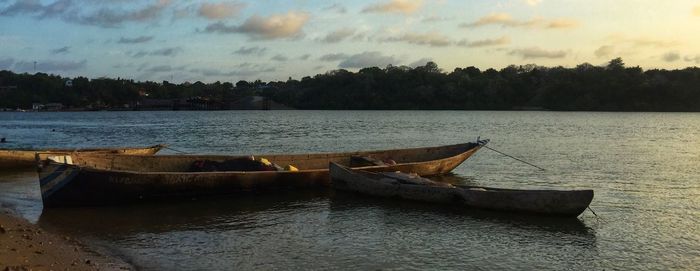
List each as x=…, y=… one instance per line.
x=58, y=181
x=45, y=180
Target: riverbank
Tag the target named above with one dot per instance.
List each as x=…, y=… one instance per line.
x=25, y=246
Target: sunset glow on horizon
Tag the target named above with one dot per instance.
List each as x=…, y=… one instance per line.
x=272, y=40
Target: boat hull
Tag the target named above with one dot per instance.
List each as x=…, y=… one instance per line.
x=547, y=202
x=26, y=159
x=544, y=202
x=99, y=180
x=348, y=180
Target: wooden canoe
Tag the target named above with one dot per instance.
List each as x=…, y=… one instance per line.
x=94, y=179
x=23, y=159
x=569, y=203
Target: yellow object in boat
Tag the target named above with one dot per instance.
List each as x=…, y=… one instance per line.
x=291, y=168
x=265, y=161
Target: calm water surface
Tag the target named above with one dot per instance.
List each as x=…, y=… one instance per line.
x=644, y=168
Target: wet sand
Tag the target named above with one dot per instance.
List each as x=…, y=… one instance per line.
x=25, y=246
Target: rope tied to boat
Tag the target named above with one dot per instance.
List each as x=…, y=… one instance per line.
x=517, y=159
x=589, y=208
x=175, y=150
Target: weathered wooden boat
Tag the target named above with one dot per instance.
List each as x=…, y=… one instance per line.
x=22, y=159
x=93, y=179
x=413, y=187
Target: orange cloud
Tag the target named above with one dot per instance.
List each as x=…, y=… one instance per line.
x=562, y=23
x=395, y=6
x=217, y=11
x=277, y=26
x=505, y=20
x=496, y=18
x=485, y=42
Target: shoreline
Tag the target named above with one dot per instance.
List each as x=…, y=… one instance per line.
x=26, y=246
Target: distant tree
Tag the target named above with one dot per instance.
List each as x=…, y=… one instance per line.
x=616, y=64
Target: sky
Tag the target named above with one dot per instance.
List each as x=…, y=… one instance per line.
x=269, y=40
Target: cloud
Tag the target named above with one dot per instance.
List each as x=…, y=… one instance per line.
x=109, y=13
x=109, y=18
x=6, y=63
x=394, y=6
x=338, y=35
x=561, y=23
x=420, y=62
x=333, y=57
x=279, y=58
x=485, y=42
x=218, y=11
x=304, y=57
x=432, y=39
x=696, y=11
x=251, y=51
x=50, y=65
x=506, y=20
x=62, y=50
x=695, y=59
x=367, y=59
x=170, y=52
x=242, y=70
x=337, y=8
x=671, y=56
x=432, y=19
x=36, y=8
x=604, y=51
x=161, y=68
x=266, y=28
x=536, y=52
x=497, y=18
x=141, y=39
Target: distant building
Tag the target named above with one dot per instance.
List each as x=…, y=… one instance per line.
x=53, y=107
x=47, y=107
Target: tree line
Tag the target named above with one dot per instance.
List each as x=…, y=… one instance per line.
x=612, y=87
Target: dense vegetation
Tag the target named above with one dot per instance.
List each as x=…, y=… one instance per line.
x=613, y=87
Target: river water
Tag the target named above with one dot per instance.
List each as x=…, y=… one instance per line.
x=644, y=168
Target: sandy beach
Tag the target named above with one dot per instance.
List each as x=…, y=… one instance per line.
x=25, y=246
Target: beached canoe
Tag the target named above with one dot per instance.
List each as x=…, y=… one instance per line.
x=569, y=203
x=22, y=159
x=94, y=179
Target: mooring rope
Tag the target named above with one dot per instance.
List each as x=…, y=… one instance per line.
x=518, y=159
x=178, y=151
x=589, y=208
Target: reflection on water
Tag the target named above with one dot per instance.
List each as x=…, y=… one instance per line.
x=19, y=192
x=642, y=166
x=296, y=229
